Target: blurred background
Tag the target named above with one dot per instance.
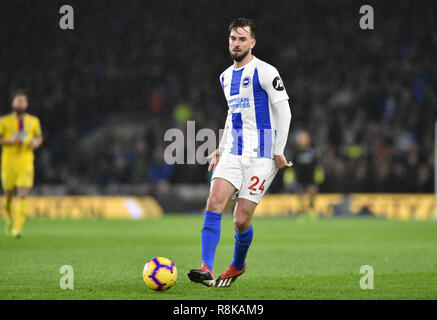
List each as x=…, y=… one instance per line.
x=364, y=102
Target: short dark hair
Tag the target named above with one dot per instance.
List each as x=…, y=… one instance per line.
x=241, y=23
x=18, y=92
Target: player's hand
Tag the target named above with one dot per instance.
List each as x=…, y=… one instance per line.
x=33, y=144
x=214, y=159
x=15, y=140
x=282, y=163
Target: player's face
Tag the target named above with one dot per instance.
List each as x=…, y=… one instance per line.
x=240, y=43
x=303, y=139
x=19, y=104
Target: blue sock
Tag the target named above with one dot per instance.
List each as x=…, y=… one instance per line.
x=210, y=236
x=242, y=244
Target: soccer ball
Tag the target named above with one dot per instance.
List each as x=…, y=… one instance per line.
x=160, y=274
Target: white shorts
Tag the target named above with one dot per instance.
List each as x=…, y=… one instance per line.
x=250, y=176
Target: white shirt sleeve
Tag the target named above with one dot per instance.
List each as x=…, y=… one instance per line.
x=225, y=133
x=221, y=78
x=272, y=83
x=226, y=130
x=282, y=113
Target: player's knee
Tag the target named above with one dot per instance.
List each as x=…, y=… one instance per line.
x=22, y=194
x=215, y=203
x=9, y=195
x=241, y=223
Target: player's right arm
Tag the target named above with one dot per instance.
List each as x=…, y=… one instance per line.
x=215, y=156
x=15, y=140
x=3, y=140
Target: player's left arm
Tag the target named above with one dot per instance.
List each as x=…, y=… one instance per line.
x=281, y=112
x=278, y=97
x=38, y=137
x=36, y=142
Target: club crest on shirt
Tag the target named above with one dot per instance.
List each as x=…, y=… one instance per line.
x=246, y=82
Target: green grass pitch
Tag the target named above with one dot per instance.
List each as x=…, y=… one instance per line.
x=289, y=259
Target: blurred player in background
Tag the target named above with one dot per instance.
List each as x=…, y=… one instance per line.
x=309, y=174
x=250, y=151
x=20, y=135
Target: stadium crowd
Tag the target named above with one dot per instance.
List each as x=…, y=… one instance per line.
x=107, y=91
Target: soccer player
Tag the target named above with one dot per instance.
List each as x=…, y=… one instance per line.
x=310, y=174
x=250, y=151
x=20, y=134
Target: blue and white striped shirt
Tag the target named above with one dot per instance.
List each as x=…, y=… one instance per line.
x=250, y=91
